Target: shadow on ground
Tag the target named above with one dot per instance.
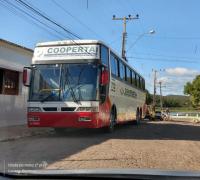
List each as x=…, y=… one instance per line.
x=146, y=131
x=53, y=147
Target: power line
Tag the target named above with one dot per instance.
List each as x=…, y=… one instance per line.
x=177, y=38
x=160, y=59
x=16, y=10
x=41, y=14
x=75, y=18
x=171, y=37
x=167, y=56
x=28, y=14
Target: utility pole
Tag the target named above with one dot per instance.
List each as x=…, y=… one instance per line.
x=124, y=34
x=161, y=103
x=154, y=84
x=154, y=90
x=161, y=97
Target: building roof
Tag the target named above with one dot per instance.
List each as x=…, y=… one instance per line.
x=16, y=45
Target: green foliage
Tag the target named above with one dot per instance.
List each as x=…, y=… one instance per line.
x=170, y=101
x=193, y=89
x=174, y=101
x=188, y=88
x=149, y=98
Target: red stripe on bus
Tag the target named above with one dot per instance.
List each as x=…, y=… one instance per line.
x=63, y=119
x=104, y=112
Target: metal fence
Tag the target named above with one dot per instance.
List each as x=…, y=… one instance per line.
x=193, y=116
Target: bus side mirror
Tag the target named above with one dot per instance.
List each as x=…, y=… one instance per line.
x=26, y=76
x=104, y=77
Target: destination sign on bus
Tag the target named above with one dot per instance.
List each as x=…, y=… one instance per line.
x=67, y=52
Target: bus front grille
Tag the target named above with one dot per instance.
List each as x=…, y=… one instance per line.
x=68, y=108
x=49, y=108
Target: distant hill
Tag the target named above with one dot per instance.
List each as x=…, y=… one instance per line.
x=174, y=101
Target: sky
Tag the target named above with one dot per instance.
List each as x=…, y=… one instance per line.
x=173, y=50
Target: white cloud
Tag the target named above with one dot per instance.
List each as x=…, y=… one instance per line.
x=174, y=84
x=180, y=71
x=163, y=79
x=174, y=79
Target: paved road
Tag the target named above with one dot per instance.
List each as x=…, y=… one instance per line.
x=163, y=145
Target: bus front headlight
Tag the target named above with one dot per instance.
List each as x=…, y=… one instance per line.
x=88, y=109
x=34, y=109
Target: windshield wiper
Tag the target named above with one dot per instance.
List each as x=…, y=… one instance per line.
x=47, y=97
x=71, y=89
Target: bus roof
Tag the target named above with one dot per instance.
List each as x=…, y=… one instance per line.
x=69, y=42
x=79, y=42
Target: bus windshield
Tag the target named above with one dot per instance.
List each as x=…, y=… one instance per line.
x=64, y=82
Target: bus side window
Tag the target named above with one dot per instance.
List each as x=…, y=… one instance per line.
x=122, y=71
x=137, y=80
x=140, y=82
x=129, y=75
x=113, y=64
x=103, y=89
x=133, y=78
x=104, y=55
x=125, y=70
x=118, y=70
x=143, y=84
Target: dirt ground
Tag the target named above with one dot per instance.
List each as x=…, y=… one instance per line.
x=160, y=145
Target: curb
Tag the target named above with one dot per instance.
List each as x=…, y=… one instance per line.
x=8, y=135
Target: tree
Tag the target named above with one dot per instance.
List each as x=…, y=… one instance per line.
x=193, y=89
x=149, y=98
x=171, y=103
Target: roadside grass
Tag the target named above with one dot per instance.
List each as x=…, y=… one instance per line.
x=180, y=109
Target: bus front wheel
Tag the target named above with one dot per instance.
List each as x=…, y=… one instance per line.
x=112, y=123
x=59, y=131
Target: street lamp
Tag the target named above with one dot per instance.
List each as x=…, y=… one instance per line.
x=139, y=37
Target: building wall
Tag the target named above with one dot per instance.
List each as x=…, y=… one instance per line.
x=13, y=107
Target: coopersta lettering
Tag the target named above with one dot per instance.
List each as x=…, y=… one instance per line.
x=72, y=49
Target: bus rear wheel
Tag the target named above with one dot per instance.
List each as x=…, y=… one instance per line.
x=138, y=117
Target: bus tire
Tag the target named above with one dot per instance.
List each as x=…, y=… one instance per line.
x=59, y=131
x=137, y=122
x=140, y=113
x=112, y=123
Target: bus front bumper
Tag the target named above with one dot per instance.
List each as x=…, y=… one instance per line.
x=64, y=119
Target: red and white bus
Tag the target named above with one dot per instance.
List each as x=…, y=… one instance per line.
x=82, y=83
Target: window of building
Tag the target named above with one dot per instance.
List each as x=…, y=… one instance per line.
x=122, y=71
x=9, y=82
x=104, y=55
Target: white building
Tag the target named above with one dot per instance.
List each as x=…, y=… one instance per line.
x=13, y=95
